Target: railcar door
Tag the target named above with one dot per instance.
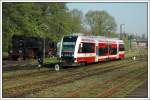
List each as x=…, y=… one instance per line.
x=113, y=50
x=89, y=51
x=121, y=52
x=103, y=51
x=81, y=54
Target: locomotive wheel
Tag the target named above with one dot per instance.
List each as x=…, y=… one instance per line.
x=15, y=58
x=24, y=58
x=31, y=53
x=19, y=59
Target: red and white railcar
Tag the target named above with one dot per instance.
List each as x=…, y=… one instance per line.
x=79, y=49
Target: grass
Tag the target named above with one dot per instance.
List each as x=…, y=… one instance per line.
x=61, y=90
x=136, y=52
x=124, y=91
x=100, y=89
x=50, y=60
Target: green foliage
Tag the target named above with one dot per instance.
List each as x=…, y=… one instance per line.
x=77, y=17
x=51, y=20
x=100, y=22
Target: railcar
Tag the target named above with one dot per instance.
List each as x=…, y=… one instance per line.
x=75, y=50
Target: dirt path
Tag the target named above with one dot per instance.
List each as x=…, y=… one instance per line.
x=140, y=92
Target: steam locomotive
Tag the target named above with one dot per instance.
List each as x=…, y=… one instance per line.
x=28, y=47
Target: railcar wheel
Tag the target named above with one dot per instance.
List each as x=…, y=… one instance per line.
x=57, y=67
x=82, y=64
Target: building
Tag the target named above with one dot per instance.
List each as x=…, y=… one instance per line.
x=139, y=44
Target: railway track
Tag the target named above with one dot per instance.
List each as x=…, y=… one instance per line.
x=32, y=73
x=21, y=91
x=54, y=76
x=63, y=73
x=35, y=72
x=110, y=91
x=122, y=77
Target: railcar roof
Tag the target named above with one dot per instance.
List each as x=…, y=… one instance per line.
x=101, y=38
x=97, y=38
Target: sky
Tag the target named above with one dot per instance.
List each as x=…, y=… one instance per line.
x=132, y=15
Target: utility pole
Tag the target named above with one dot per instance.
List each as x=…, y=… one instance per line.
x=121, y=30
x=130, y=41
x=108, y=34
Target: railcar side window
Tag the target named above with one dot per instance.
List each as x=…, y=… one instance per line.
x=121, y=47
x=87, y=48
x=113, y=49
x=103, y=51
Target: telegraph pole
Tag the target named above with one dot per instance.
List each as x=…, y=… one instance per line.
x=130, y=41
x=108, y=34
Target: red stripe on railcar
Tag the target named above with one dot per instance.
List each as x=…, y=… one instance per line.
x=112, y=58
x=101, y=59
x=86, y=59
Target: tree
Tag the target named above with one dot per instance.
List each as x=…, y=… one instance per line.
x=77, y=20
x=100, y=22
x=51, y=20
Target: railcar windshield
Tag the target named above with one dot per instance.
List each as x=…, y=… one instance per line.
x=69, y=43
x=68, y=46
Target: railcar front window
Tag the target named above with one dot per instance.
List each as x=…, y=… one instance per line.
x=68, y=48
x=69, y=43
